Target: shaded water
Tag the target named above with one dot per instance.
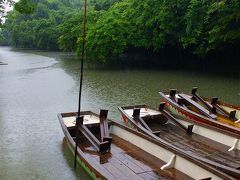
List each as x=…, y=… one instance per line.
x=35, y=86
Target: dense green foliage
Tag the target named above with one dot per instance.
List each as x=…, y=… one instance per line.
x=35, y=25
x=115, y=26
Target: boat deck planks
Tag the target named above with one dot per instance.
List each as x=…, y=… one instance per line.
x=197, y=144
x=88, y=119
x=126, y=161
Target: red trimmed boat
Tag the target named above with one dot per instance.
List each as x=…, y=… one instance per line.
x=213, y=114
x=161, y=126
x=109, y=150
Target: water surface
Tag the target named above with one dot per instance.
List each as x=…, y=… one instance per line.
x=35, y=86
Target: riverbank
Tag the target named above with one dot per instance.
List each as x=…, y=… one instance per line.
x=171, y=59
x=167, y=59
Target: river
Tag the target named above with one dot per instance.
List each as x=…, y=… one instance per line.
x=36, y=85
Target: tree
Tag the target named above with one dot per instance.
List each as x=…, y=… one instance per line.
x=109, y=35
x=40, y=29
x=70, y=30
x=114, y=27
x=25, y=6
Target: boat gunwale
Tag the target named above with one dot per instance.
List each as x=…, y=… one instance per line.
x=202, y=162
x=209, y=100
x=215, y=124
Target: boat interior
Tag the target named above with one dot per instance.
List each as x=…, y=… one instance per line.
x=183, y=139
x=210, y=109
x=124, y=160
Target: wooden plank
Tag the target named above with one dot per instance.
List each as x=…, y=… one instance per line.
x=155, y=174
x=197, y=106
x=147, y=176
x=128, y=178
x=231, y=114
x=138, y=119
x=199, y=98
x=123, y=146
x=170, y=117
x=113, y=170
x=224, y=159
x=130, y=164
x=105, y=170
x=85, y=131
x=200, y=146
x=125, y=161
x=104, y=126
x=124, y=169
x=115, y=149
x=100, y=146
x=139, y=162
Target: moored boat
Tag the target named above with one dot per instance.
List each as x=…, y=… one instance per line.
x=222, y=120
x=121, y=160
x=129, y=154
x=214, y=109
x=163, y=127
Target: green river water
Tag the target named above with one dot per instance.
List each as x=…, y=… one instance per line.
x=35, y=86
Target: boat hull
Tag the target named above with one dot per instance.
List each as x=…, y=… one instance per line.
x=192, y=168
x=125, y=156
x=204, y=126
x=129, y=120
x=82, y=161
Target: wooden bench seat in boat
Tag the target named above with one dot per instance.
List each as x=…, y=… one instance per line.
x=197, y=106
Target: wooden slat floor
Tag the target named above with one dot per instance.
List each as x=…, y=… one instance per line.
x=197, y=144
x=126, y=161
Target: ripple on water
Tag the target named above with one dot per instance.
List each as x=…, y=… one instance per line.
x=34, y=89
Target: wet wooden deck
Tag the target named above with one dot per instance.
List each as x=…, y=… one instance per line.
x=197, y=144
x=126, y=161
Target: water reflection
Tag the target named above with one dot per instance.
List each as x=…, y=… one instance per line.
x=35, y=86
x=70, y=160
x=30, y=134
x=112, y=88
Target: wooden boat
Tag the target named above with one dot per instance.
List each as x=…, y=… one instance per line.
x=123, y=153
x=194, y=113
x=163, y=127
x=222, y=112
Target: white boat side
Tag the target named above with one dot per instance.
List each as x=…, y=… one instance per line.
x=182, y=164
x=225, y=139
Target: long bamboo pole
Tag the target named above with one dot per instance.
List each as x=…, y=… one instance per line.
x=81, y=79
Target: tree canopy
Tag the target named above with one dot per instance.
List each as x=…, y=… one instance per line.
x=115, y=26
